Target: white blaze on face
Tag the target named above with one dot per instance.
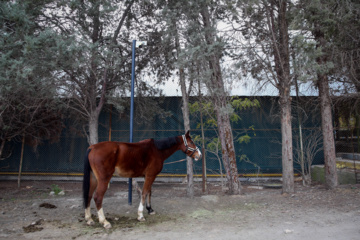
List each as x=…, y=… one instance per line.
x=199, y=155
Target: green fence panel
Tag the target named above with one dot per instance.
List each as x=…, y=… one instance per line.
x=261, y=155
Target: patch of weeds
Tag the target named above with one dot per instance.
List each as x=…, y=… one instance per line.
x=126, y=223
x=59, y=224
x=9, y=200
x=250, y=206
x=201, y=213
x=56, y=189
x=156, y=219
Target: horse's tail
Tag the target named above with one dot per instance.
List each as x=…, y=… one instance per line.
x=86, y=180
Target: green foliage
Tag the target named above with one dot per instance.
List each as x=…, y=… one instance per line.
x=244, y=158
x=244, y=139
x=214, y=145
x=337, y=24
x=94, y=54
x=27, y=63
x=237, y=105
x=56, y=189
x=244, y=103
x=208, y=109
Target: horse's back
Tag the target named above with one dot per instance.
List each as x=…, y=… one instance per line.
x=104, y=148
x=126, y=159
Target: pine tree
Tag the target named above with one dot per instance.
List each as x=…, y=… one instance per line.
x=321, y=23
x=28, y=106
x=264, y=28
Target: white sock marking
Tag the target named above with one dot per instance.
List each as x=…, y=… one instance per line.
x=101, y=216
x=140, y=211
x=87, y=213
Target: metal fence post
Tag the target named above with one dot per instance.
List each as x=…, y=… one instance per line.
x=132, y=111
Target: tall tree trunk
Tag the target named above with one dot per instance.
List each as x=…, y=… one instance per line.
x=204, y=170
x=185, y=111
x=186, y=115
x=93, y=137
x=217, y=90
x=287, y=146
x=305, y=174
x=331, y=178
x=228, y=151
x=280, y=44
x=95, y=106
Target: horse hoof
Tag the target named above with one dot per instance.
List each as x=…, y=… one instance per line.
x=152, y=213
x=107, y=225
x=90, y=222
x=141, y=219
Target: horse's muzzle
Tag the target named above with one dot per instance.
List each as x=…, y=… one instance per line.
x=198, y=155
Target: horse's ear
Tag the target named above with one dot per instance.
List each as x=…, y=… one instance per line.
x=187, y=134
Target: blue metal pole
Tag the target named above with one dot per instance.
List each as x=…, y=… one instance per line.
x=132, y=111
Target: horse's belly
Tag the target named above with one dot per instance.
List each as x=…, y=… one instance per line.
x=126, y=173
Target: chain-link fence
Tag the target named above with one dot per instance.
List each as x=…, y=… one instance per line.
x=259, y=152
x=347, y=140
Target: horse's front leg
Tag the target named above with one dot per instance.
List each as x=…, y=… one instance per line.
x=141, y=209
x=145, y=196
x=148, y=204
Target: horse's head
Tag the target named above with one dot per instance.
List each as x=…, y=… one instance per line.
x=189, y=147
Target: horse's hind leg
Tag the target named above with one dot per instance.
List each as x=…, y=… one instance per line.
x=98, y=198
x=93, y=185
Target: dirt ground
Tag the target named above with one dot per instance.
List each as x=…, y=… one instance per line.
x=311, y=213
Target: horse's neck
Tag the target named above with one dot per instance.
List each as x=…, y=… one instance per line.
x=166, y=153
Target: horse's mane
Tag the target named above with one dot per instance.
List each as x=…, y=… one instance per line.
x=166, y=143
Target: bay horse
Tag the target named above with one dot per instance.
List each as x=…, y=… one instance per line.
x=129, y=160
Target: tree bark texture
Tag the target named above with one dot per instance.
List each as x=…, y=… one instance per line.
x=189, y=160
x=186, y=115
x=185, y=111
x=280, y=44
x=287, y=146
x=95, y=107
x=228, y=152
x=93, y=137
x=331, y=178
x=217, y=90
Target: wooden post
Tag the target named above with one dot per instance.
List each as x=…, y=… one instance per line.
x=21, y=160
x=110, y=120
x=204, y=177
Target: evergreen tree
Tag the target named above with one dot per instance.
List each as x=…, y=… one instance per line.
x=321, y=23
x=264, y=29
x=199, y=50
x=28, y=106
x=94, y=54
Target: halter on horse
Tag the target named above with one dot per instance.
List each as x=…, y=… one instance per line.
x=130, y=160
